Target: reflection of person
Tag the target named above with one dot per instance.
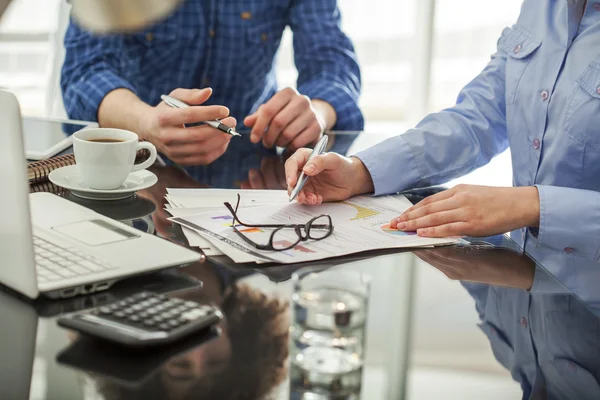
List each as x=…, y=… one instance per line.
x=230, y=47
x=546, y=337
x=246, y=362
x=538, y=94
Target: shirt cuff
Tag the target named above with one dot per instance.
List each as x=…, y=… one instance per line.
x=569, y=220
x=343, y=100
x=84, y=97
x=392, y=166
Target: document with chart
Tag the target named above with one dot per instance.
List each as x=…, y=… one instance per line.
x=359, y=224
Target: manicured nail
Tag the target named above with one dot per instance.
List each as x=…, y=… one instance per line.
x=310, y=168
x=402, y=226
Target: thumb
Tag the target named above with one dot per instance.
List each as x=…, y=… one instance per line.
x=320, y=163
x=192, y=96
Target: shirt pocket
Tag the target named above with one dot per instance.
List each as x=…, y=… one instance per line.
x=152, y=51
x=519, y=45
x=565, y=379
x=263, y=39
x=582, y=116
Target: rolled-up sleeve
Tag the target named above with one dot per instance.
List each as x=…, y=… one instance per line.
x=447, y=144
x=90, y=71
x=327, y=66
x=570, y=220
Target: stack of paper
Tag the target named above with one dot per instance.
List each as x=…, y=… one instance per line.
x=359, y=224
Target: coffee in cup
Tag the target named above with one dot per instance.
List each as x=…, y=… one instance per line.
x=106, y=156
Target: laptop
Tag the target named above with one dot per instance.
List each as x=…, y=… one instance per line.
x=53, y=247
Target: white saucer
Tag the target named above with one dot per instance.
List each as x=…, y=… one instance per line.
x=69, y=178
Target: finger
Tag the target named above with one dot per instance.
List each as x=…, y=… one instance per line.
x=432, y=208
x=281, y=121
x=308, y=136
x=437, y=219
x=296, y=128
x=294, y=165
x=256, y=179
x=456, y=229
x=191, y=115
x=267, y=112
x=192, y=96
x=432, y=199
x=327, y=161
x=250, y=120
x=172, y=137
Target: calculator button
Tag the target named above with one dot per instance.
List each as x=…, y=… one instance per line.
x=174, y=323
x=191, y=304
x=137, y=307
x=134, y=318
x=149, y=322
x=152, y=311
x=104, y=310
x=128, y=311
x=158, y=318
x=164, y=326
x=143, y=314
x=119, y=314
x=193, y=314
x=177, y=301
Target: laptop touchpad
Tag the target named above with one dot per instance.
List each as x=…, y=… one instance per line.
x=95, y=232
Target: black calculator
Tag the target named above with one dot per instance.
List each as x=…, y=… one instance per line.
x=144, y=319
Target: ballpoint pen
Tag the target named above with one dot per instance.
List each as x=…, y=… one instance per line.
x=173, y=102
x=317, y=150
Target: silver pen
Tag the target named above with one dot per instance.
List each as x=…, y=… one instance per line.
x=173, y=102
x=317, y=150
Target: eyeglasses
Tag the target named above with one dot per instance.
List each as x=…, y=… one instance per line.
x=318, y=228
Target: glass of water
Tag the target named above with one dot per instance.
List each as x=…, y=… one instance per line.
x=328, y=333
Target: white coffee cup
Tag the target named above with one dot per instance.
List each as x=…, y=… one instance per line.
x=106, y=156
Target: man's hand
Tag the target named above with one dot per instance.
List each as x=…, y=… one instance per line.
x=476, y=211
x=271, y=175
x=332, y=177
x=291, y=120
x=164, y=127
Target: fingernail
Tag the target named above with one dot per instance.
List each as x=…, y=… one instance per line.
x=423, y=232
x=401, y=226
x=310, y=168
x=394, y=222
x=289, y=181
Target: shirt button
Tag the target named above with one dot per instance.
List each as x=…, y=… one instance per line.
x=545, y=95
x=264, y=37
x=517, y=48
x=568, y=250
x=205, y=81
x=149, y=36
x=212, y=33
x=536, y=144
x=597, y=6
x=246, y=15
x=598, y=90
x=524, y=322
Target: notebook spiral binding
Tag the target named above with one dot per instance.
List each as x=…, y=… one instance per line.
x=38, y=171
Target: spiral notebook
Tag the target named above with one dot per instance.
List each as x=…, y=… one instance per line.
x=38, y=171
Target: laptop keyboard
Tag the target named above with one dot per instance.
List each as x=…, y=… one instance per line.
x=54, y=262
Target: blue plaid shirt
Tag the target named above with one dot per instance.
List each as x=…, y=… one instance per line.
x=229, y=46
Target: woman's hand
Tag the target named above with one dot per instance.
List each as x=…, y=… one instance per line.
x=468, y=210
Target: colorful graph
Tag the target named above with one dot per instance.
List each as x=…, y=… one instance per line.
x=362, y=212
x=285, y=243
x=251, y=230
x=386, y=228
